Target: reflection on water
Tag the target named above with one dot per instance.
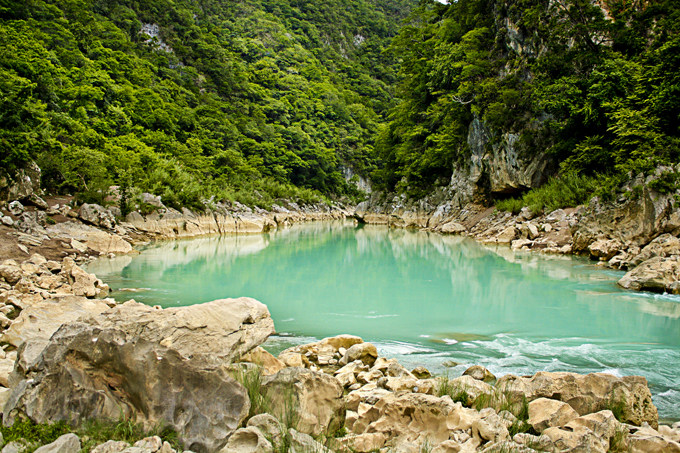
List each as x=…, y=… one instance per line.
x=424, y=298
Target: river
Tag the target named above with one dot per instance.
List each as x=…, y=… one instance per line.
x=444, y=302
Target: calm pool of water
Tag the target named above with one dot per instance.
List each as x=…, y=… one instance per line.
x=440, y=301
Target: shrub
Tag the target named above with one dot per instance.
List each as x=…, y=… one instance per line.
x=569, y=190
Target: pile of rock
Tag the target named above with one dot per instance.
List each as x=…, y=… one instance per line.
x=389, y=408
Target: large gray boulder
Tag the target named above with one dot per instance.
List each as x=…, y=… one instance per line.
x=153, y=365
x=97, y=215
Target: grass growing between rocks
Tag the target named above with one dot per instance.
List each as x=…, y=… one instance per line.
x=95, y=432
x=618, y=443
x=251, y=379
x=457, y=393
x=33, y=434
x=91, y=433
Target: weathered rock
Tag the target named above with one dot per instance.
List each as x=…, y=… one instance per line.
x=7, y=221
x=603, y=424
x=646, y=439
x=16, y=208
x=10, y=271
x=38, y=322
x=317, y=398
x=269, y=426
x=269, y=363
x=605, y=249
x=367, y=442
x=83, y=283
x=587, y=393
x=420, y=372
x=413, y=417
x=580, y=439
x=153, y=443
x=366, y=352
x=507, y=235
x=93, y=238
x=248, y=440
x=545, y=413
x=480, y=373
x=452, y=228
x=663, y=245
x=656, y=274
x=304, y=443
x=111, y=446
x=153, y=365
x=68, y=443
x=490, y=428
x=97, y=215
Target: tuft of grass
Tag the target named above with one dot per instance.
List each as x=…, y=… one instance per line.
x=34, y=433
x=96, y=431
x=457, y=393
x=566, y=191
x=618, y=442
x=251, y=379
x=91, y=433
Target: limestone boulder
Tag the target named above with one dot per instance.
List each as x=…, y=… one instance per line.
x=545, y=413
x=413, y=418
x=111, y=446
x=312, y=400
x=579, y=439
x=83, y=283
x=149, y=364
x=452, y=228
x=480, y=373
x=268, y=425
x=506, y=236
x=268, y=363
x=663, y=246
x=657, y=274
x=605, y=249
x=248, y=440
x=365, y=352
x=93, y=238
x=304, y=443
x=97, y=215
x=490, y=428
x=647, y=439
x=37, y=322
x=587, y=393
x=68, y=443
x=472, y=387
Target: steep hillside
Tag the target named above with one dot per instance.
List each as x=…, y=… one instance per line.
x=249, y=101
x=500, y=95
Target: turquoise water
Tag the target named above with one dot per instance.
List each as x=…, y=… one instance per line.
x=440, y=301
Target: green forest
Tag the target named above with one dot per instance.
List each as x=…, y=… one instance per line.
x=255, y=101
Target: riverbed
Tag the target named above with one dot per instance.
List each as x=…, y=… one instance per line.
x=444, y=302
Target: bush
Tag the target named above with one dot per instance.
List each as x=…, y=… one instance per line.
x=562, y=192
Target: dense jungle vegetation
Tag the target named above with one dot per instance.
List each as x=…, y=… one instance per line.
x=246, y=100
x=255, y=100
x=596, y=88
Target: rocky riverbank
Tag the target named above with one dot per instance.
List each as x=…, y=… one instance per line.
x=71, y=354
x=636, y=234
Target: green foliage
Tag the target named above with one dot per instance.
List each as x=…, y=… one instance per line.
x=94, y=432
x=598, y=93
x=567, y=191
x=457, y=393
x=251, y=379
x=34, y=433
x=230, y=96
